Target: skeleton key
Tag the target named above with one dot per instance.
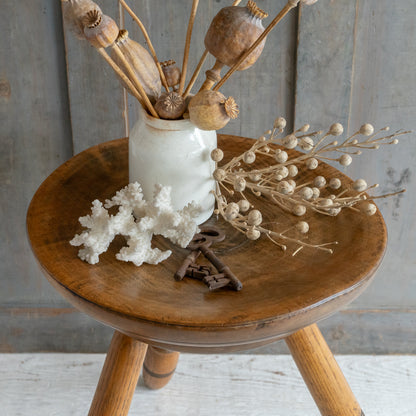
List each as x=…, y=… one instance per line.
x=207, y=234
x=202, y=242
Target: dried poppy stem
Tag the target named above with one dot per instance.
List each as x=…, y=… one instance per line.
x=149, y=42
x=196, y=73
x=121, y=74
x=289, y=6
x=135, y=80
x=187, y=45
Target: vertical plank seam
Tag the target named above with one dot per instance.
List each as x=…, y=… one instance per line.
x=354, y=44
x=122, y=25
x=67, y=79
x=298, y=10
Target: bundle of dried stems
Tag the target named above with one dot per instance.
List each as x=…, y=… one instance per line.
x=236, y=38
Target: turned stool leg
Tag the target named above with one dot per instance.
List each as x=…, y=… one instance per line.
x=119, y=377
x=158, y=367
x=321, y=373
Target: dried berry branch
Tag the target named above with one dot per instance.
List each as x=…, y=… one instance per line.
x=277, y=179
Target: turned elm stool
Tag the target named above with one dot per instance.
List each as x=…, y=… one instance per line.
x=156, y=317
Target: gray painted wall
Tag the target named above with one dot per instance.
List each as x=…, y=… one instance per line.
x=347, y=60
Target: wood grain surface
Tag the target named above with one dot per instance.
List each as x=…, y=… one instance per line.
x=321, y=373
x=119, y=377
x=281, y=293
x=159, y=367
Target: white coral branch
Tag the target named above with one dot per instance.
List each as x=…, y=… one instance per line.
x=139, y=250
x=138, y=220
x=101, y=233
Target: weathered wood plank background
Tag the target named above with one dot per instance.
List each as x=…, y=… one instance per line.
x=345, y=60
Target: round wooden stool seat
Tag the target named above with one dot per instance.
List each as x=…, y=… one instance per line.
x=156, y=317
x=281, y=293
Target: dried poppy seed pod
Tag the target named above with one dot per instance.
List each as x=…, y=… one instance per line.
x=232, y=31
x=100, y=30
x=141, y=62
x=172, y=72
x=74, y=12
x=170, y=105
x=211, y=110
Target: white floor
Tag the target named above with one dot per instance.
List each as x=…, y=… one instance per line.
x=211, y=385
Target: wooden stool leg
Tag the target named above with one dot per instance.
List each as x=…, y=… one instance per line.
x=321, y=373
x=159, y=367
x=119, y=377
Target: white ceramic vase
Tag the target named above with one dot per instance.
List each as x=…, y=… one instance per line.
x=173, y=153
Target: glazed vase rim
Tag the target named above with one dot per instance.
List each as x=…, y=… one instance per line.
x=161, y=124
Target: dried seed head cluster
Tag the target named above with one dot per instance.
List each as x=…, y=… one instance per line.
x=279, y=179
x=235, y=37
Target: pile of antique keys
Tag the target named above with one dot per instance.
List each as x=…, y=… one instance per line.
x=201, y=244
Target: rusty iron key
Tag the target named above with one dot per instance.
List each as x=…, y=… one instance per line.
x=207, y=234
x=202, y=242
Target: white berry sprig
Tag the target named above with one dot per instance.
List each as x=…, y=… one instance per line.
x=279, y=179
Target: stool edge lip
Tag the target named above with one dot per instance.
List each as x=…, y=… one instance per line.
x=362, y=284
x=268, y=320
